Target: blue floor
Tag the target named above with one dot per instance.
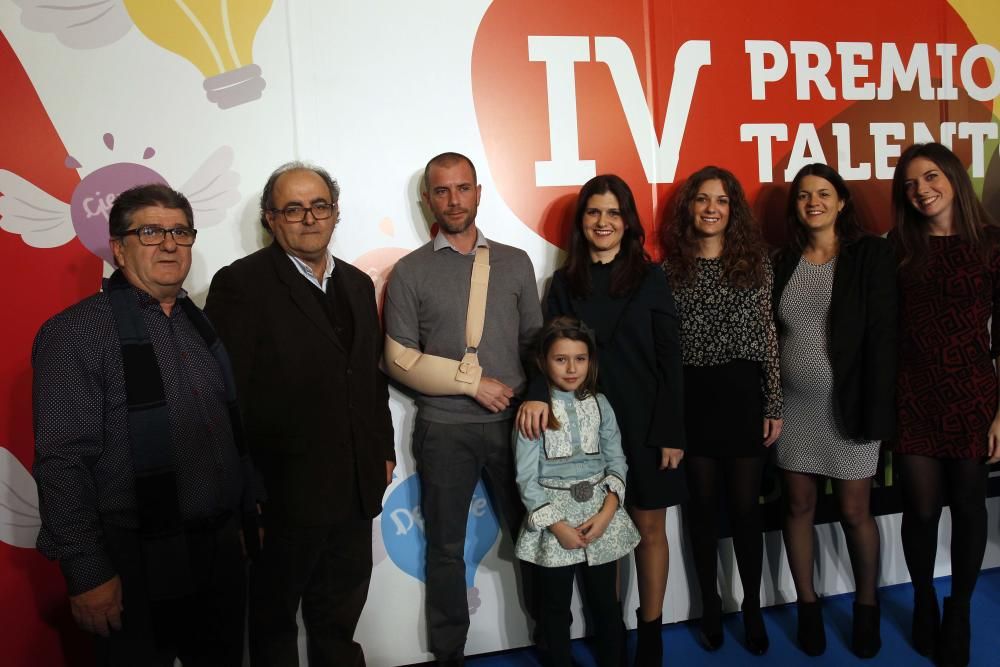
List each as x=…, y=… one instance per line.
x=681, y=645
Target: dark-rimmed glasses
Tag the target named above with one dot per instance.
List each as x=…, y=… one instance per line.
x=155, y=235
x=295, y=213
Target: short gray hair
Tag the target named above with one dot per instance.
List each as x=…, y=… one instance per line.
x=267, y=196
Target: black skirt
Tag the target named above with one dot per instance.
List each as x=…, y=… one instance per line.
x=724, y=410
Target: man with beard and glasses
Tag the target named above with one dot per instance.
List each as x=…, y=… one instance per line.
x=466, y=384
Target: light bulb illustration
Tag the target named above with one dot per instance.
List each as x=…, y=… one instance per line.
x=43, y=221
x=216, y=36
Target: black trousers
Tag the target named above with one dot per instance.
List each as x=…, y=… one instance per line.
x=204, y=629
x=451, y=458
x=555, y=588
x=328, y=569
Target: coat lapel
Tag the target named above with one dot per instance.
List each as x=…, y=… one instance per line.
x=298, y=289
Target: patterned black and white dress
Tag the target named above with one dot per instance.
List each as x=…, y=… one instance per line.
x=812, y=439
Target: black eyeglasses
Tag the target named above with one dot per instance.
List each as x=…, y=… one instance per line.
x=294, y=213
x=155, y=235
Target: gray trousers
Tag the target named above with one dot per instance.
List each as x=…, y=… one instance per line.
x=451, y=458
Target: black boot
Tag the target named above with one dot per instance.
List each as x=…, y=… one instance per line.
x=754, y=632
x=649, y=641
x=710, y=632
x=811, y=633
x=867, y=637
x=953, y=645
x=926, y=623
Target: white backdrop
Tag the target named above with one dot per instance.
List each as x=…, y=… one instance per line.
x=370, y=91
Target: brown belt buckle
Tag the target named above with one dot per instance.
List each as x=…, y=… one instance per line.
x=582, y=491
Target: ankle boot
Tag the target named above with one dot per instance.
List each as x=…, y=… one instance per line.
x=710, y=632
x=811, y=633
x=867, y=637
x=926, y=623
x=952, y=649
x=754, y=631
x=649, y=644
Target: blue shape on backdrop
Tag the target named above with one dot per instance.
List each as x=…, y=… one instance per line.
x=403, y=529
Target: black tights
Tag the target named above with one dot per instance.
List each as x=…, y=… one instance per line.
x=927, y=484
x=555, y=586
x=739, y=479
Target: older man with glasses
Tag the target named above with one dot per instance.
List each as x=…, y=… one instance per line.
x=142, y=477
x=304, y=334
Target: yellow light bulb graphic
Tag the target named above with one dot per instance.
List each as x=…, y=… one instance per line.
x=216, y=36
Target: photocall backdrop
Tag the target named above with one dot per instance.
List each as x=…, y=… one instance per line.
x=210, y=95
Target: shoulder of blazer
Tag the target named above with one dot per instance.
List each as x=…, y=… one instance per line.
x=352, y=274
x=783, y=263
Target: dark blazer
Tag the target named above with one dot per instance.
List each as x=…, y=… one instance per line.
x=862, y=333
x=316, y=414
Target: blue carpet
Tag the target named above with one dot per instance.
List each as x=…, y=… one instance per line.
x=681, y=645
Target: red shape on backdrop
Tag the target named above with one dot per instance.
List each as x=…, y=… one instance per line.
x=38, y=282
x=511, y=98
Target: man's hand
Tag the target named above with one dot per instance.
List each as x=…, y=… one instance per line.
x=533, y=419
x=993, y=443
x=670, y=458
x=568, y=536
x=389, y=467
x=99, y=610
x=772, y=429
x=494, y=395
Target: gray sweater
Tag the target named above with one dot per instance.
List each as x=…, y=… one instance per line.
x=425, y=308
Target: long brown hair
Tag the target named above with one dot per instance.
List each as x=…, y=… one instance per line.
x=631, y=263
x=570, y=328
x=743, y=250
x=848, y=226
x=912, y=227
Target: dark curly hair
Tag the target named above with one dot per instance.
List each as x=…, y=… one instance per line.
x=743, y=250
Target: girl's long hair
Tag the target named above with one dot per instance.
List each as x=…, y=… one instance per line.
x=743, y=250
x=570, y=328
x=969, y=217
x=631, y=263
x=848, y=226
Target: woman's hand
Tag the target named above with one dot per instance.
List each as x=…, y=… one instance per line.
x=594, y=527
x=772, y=429
x=670, y=458
x=532, y=419
x=993, y=443
x=568, y=536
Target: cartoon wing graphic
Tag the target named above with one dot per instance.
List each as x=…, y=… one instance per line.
x=79, y=24
x=42, y=220
x=212, y=189
x=19, y=519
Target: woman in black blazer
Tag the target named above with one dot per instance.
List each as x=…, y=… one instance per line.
x=835, y=307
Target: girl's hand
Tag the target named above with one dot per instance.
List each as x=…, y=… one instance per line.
x=993, y=444
x=568, y=536
x=532, y=419
x=670, y=458
x=772, y=429
x=594, y=527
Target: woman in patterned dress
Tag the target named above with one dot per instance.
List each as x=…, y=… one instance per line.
x=949, y=426
x=719, y=270
x=835, y=306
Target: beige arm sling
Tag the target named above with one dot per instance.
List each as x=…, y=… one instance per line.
x=440, y=376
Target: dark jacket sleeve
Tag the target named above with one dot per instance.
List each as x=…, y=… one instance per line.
x=880, y=356
x=667, y=428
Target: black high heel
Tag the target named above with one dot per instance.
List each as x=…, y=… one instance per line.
x=866, y=638
x=926, y=624
x=710, y=631
x=811, y=633
x=754, y=631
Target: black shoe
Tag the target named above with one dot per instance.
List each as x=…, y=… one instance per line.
x=649, y=641
x=710, y=631
x=866, y=638
x=811, y=633
x=451, y=662
x=952, y=648
x=926, y=623
x=754, y=632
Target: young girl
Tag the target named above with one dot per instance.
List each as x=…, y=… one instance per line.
x=572, y=480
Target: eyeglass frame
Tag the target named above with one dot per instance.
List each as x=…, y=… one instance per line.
x=306, y=211
x=137, y=232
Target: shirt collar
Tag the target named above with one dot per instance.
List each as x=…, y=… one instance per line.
x=304, y=269
x=441, y=241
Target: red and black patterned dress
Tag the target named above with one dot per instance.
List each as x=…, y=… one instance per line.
x=947, y=391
